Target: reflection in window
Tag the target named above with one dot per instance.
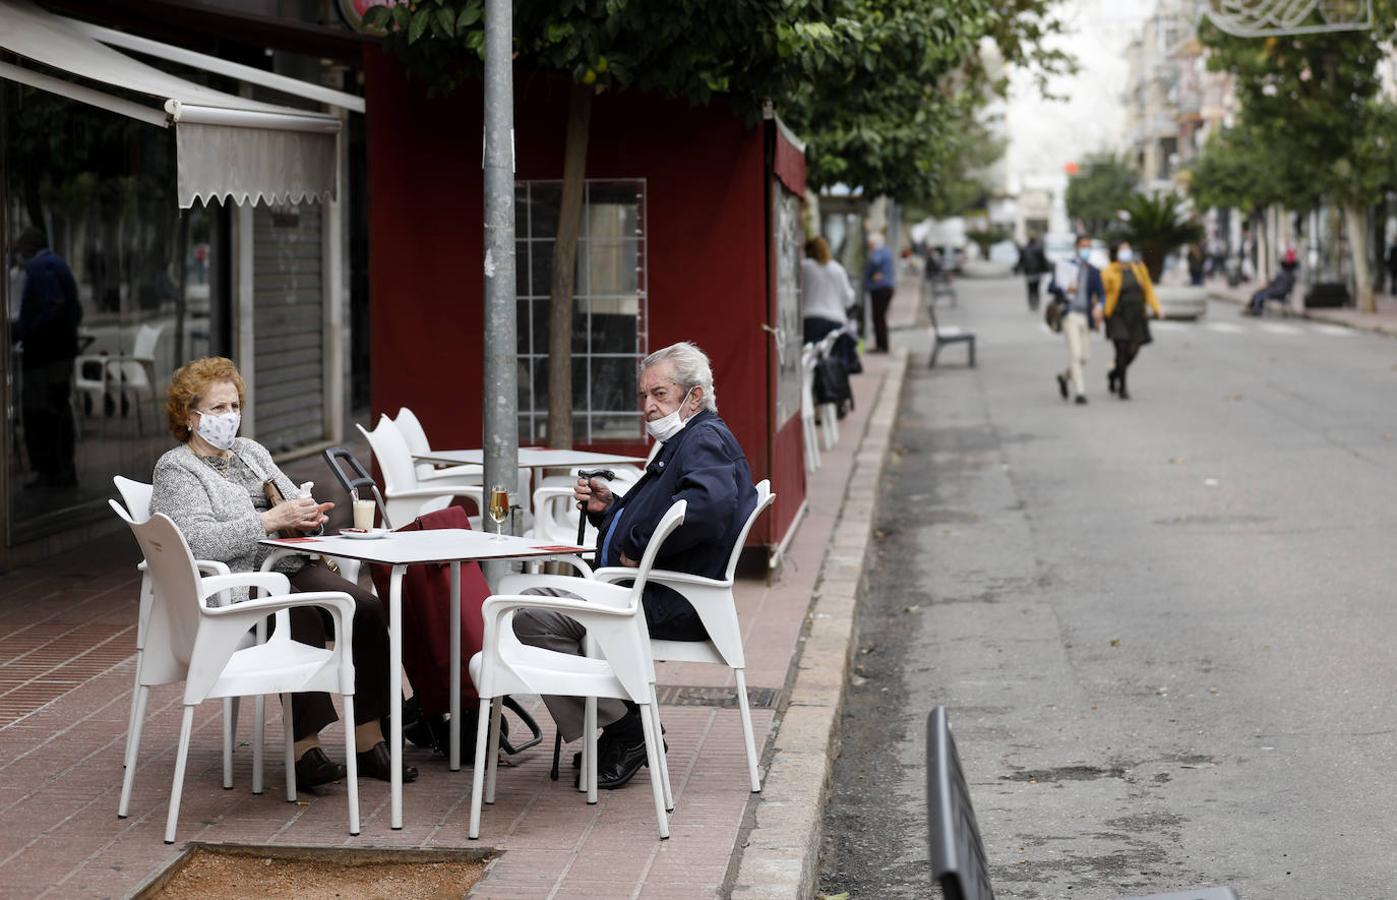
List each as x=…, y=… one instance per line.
x=609, y=310
x=90, y=211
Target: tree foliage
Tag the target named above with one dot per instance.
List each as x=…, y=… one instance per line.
x=1101, y=188
x=1156, y=227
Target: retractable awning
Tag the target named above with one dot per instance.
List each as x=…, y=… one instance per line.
x=229, y=147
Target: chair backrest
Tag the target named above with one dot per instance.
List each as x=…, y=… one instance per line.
x=671, y=520
x=147, y=336
x=764, y=499
x=958, y=861
x=412, y=431
x=394, y=457
x=175, y=612
x=136, y=495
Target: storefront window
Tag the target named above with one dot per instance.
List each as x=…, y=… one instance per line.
x=609, y=312
x=110, y=288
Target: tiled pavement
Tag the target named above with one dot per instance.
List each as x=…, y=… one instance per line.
x=66, y=664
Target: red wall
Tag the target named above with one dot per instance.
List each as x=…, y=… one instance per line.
x=705, y=227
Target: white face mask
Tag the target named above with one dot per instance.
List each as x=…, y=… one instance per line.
x=219, y=431
x=666, y=427
x=1126, y=255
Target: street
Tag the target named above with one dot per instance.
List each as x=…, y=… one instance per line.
x=1162, y=628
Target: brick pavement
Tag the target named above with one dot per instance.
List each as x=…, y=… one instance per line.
x=66, y=665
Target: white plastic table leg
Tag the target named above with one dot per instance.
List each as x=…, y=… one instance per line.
x=589, y=735
x=395, y=694
x=455, y=758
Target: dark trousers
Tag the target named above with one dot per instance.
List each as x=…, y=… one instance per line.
x=1126, y=352
x=312, y=711
x=1034, y=283
x=882, y=298
x=49, y=434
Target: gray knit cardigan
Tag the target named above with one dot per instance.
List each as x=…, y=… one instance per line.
x=218, y=506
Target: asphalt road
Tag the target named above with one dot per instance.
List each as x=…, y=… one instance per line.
x=1165, y=628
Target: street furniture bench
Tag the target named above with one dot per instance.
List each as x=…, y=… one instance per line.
x=948, y=335
x=958, y=862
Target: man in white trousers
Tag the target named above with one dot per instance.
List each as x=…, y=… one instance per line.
x=1079, y=283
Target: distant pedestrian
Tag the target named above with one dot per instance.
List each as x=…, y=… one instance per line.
x=1033, y=262
x=1196, y=264
x=1078, y=283
x=878, y=281
x=47, y=327
x=825, y=296
x=1128, y=292
x=1392, y=266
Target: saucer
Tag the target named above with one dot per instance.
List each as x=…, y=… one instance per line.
x=356, y=534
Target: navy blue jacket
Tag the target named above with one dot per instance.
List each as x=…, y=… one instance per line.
x=49, y=311
x=704, y=465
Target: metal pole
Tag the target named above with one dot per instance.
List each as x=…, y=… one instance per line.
x=500, y=402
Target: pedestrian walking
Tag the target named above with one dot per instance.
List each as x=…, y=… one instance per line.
x=1129, y=291
x=1078, y=283
x=1033, y=262
x=878, y=281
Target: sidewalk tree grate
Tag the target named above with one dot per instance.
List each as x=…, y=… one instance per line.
x=725, y=697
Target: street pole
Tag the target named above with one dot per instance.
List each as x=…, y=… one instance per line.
x=501, y=425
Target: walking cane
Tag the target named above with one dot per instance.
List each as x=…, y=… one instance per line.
x=581, y=533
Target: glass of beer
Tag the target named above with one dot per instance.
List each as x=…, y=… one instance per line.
x=499, y=509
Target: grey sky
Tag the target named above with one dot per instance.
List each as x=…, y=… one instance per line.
x=1045, y=135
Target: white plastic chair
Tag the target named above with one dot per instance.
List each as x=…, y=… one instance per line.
x=829, y=412
x=90, y=379
x=136, y=495
x=134, y=375
x=201, y=645
x=809, y=356
x=618, y=664
x=411, y=429
x=404, y=497
x=713, y=600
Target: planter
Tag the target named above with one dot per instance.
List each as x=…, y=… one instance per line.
x=985, y=268
x=1183, y=301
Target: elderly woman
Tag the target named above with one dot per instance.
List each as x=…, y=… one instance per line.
x=211, y=485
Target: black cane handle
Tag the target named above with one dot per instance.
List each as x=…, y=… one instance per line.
x=589, y=474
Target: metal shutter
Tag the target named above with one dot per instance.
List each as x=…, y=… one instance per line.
x=288, y=325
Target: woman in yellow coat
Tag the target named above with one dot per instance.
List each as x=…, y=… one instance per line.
x=1128, y=292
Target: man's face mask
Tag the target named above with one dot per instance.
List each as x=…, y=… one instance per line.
x=666, y=427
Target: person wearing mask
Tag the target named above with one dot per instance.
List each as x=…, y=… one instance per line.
x=1128, y=292
x=699, y=461
x=212, y=486
x=1078, y=282
x=1033, y=262
x=878, y=281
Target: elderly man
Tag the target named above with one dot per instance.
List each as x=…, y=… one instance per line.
x=699, y=461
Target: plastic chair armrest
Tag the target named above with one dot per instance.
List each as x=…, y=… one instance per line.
x=273, y=583
x=280, y=553
x=464, y=471
x=440, y=490
x=678, y=580
x=210, y=567
x=499, y=604
x=589, y=591
x=337, y=602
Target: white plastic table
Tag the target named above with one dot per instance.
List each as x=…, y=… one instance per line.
x=400, y=550
x=530, y=458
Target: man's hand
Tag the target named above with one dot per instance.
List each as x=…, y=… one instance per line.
x=628, y=562
x=595, y=494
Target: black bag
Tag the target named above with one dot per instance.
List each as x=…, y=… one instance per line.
x=832, y=385
x=1053, y=313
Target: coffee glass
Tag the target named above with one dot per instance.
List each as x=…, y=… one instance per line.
x=364, y=514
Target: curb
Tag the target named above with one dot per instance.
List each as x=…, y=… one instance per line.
x=780, y=858
x=1288, y=312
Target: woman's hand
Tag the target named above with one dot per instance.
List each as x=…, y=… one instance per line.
x=303, y=514
x=595, y=494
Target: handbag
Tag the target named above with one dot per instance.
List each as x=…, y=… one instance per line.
x=831, y=385
x=1053, y=313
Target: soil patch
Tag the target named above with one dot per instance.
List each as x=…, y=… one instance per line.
x=319, y=874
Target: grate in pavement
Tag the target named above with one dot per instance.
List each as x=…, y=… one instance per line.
x=726, y=697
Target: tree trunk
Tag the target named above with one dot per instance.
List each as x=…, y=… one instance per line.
x=1356, y=224
x=565, y=269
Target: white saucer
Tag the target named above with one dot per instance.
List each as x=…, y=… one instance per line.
x=371, y=535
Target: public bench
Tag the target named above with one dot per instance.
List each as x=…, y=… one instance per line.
x=958, y=862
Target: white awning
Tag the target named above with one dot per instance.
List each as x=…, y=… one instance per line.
x=229, y=147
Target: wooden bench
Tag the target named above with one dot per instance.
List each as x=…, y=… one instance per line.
x=950, y=335
x=958, y=862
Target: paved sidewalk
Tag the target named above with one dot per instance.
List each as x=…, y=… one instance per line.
x=66, y=666
x=1384, y=321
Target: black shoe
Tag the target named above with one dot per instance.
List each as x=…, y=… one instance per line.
x=377, y=762
x=1062, y=386
x=1081, y=399
x=616, y=768
x=314, y=768
x=1124, y=394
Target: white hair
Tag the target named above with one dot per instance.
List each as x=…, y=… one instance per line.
x=876, y=239
x=691, y=369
